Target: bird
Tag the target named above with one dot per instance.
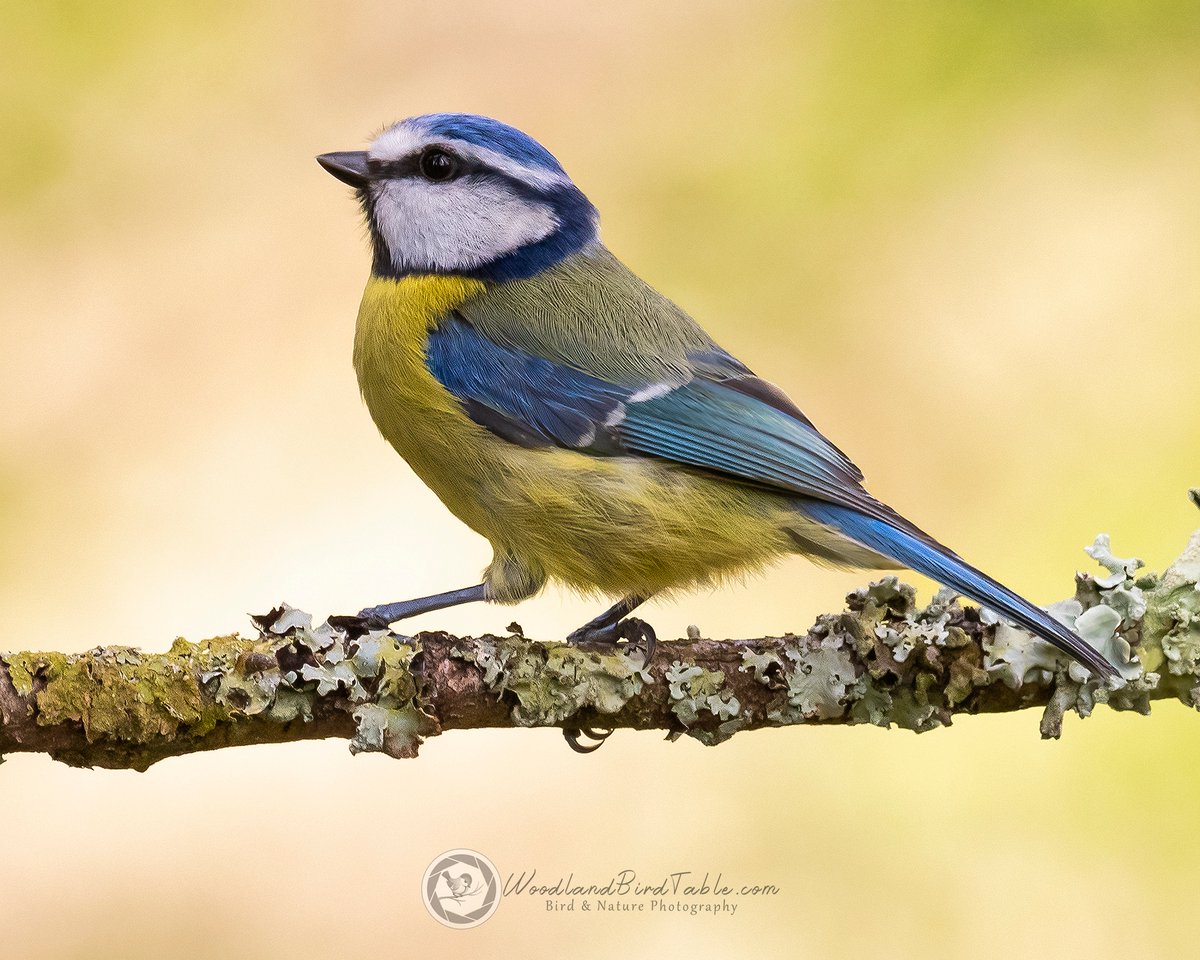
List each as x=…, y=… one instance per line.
x=579, y=419
x=459, y=886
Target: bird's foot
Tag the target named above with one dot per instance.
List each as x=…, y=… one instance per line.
x=636, y=634
x=360, y=624
x=384, y=613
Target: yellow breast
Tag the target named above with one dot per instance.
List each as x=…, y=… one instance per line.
x=467, y=466
x=398, y=315
x=413, y=411
x=394, y=321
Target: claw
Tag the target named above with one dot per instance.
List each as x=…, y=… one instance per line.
x=572, y=734
x=635, y=633
x=373, y=613
x=638, y=633
x=357, y=626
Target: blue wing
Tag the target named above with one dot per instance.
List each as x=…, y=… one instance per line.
x=724, y=419
x=524, y=398
x=721, y=419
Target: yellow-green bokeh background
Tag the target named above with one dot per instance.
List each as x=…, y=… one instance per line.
x=965, y=236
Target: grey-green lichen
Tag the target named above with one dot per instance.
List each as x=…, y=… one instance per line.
x=694, y=691
x=1170, y=629
x=885, y=660
x=1106, y=612
x=134, y=704
x=372, y=672
x=553, y=683
x=893, y=662
x=850, y=667
x=115, y=693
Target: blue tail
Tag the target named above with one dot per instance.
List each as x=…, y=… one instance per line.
x=904, y=543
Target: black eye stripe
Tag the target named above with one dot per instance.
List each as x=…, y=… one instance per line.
x=394, y=169
x=410, y=166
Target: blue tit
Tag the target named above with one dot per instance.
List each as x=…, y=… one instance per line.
x=577, y=418
x=459, y=886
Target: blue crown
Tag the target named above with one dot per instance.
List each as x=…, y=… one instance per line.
x=491, y=135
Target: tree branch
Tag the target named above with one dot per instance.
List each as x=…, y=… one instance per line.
x=884, y=661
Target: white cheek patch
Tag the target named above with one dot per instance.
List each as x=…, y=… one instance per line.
x=458, y=225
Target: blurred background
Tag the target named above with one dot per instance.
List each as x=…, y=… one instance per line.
x=964, y=236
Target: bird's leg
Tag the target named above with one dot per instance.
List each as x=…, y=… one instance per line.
x=391, y=612
x=387, y=613
x=615, y=624
x=600, y=629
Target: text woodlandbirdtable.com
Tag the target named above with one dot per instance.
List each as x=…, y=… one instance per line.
x=685, y=892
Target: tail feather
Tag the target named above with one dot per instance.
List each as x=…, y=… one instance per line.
x=903, y=542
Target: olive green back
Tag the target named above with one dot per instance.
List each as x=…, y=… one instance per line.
x=594, y=314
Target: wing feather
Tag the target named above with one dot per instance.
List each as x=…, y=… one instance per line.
x=724, y=419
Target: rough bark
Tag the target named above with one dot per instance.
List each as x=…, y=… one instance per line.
x=884, y=661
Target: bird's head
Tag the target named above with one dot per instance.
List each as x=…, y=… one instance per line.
x=454, y=193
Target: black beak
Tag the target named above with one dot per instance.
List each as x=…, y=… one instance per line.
x=349, y=166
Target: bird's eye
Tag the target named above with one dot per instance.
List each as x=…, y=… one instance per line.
x=438, y=165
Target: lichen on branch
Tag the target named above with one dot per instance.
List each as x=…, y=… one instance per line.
x=884, y=660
